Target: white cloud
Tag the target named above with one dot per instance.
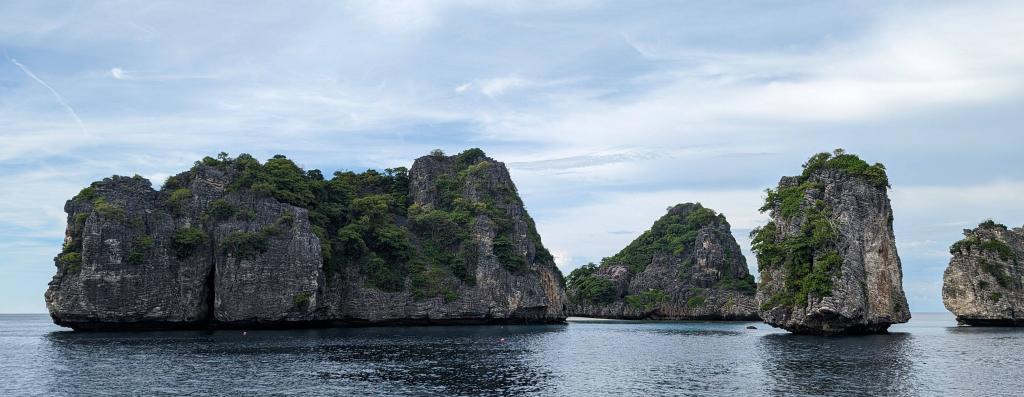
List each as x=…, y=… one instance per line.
x=910, y=60
x=121, y=74
x=498, y=86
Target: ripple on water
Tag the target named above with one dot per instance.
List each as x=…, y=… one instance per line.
x=929, y=356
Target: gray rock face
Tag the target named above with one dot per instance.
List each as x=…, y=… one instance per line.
x=204, y=253
x=687, y=267
x=983, y=284
x=828, y=258
x=532, y=294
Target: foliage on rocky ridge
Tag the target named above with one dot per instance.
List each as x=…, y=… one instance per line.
x=302, y=247
x=687, y=265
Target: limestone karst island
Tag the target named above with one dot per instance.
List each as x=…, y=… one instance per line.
x=462, y=198
x=239, y=243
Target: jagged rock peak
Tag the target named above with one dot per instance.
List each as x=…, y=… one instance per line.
x=827, y=258
x=983, y=284
x=687, y=266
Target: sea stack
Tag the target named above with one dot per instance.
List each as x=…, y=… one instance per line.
x=686, y=267
x=238, y=243
x=828, y=257
x=982, y=285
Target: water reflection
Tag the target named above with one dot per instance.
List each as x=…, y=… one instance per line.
x=409, y=360
x=859, y=365
x=927, y=357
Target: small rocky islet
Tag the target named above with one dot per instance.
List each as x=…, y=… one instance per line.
x=827, y=258
x=687, y=266
x=982, y=285
x=236, y=243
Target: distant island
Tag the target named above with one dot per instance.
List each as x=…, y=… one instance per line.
x=236, y=243
x=982, y=285
x=686, y=267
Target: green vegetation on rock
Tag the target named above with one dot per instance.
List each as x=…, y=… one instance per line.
x=140, y=248
x=186, y=241
x=993, y=245
x=365, y=221
x=787, y=200
x=178, y=197
x=745, y=284
x=809, y=258
x=79, y=220
x=107, y=210
x=86, y=194
x=674, y=233
x=221, y=210
x=696, y=300
x=848, y=163
x=72, y=261
x=991, y=224
x=247, y=245
x=584, y=287
x=302, y=300
x=998, y=272
x=647, y=300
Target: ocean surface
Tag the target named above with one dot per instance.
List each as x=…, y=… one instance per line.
x=930, y=356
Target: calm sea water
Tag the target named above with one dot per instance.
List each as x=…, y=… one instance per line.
x=929, y=356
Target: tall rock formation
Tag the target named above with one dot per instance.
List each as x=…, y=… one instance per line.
x=237, y=243
x=983, y=284
x=828, y=258
x=686, y=267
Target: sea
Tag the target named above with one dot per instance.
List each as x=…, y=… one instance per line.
x=929, y=356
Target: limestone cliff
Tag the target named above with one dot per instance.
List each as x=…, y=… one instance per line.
x=983, y=283
x=238, y=243
x=828, y=257
x=686, y=267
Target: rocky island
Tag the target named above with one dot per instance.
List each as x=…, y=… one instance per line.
x=827, y=258
x=238, y=243
x=686, y=267
x=982, y=285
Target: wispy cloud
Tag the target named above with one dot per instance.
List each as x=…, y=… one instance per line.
x=60, y=99
x=586, y=160
x=498, y=86
x=121, y=74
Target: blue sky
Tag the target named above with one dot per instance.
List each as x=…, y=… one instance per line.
x=606, y=112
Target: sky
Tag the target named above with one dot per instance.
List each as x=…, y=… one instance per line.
x=606, y=113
